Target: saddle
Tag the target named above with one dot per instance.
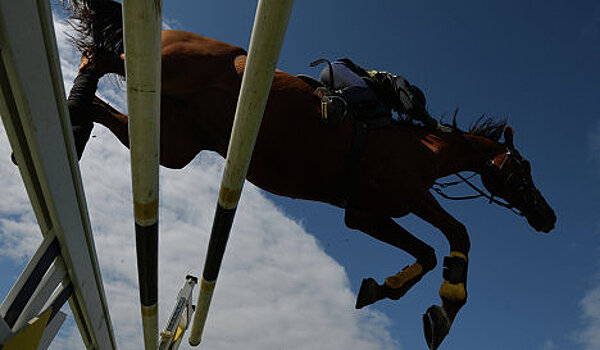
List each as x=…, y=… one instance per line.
x=369, y=96
x=346, y=89
x=344, y=93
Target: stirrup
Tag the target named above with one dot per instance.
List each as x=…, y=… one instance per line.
x=333, y=108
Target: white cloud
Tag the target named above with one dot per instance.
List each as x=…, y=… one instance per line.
x=171, y=24
x=590, y=306
x=277, y=289
x=548, y=345
x=589, y=336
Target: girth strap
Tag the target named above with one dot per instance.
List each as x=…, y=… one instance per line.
x=361, y=128
x=354, y=159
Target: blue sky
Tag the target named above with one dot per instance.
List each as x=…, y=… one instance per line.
x=533, y=62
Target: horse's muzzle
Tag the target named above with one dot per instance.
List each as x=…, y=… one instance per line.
x=540, y=215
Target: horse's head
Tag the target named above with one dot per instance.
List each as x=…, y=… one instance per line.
x=508, y=176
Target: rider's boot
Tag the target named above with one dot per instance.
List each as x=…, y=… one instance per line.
x=393, y=288
x=453, y=292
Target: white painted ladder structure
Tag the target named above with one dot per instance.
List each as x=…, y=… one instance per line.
x=35, y=116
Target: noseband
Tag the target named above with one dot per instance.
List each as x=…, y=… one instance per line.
x=439, y=186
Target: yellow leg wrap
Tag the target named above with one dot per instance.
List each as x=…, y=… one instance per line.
x=459, y=255
x=399, y=279
x=454, y=292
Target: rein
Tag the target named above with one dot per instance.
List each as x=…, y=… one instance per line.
x=439, y=186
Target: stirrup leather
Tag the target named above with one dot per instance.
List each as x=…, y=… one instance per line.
x=333, y=108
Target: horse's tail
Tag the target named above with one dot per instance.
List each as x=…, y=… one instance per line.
x=98, y=25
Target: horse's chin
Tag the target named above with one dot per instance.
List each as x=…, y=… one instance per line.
x=541, y=220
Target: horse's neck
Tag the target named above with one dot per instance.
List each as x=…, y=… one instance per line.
x=465, y=153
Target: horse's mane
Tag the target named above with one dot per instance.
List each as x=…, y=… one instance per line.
x=98, y=25
x=485, y=126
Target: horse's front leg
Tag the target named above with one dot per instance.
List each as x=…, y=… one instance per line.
x=453, y=292
x=387, y=230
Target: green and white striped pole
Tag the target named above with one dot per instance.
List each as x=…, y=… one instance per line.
x=142, y=21
x=270, y=24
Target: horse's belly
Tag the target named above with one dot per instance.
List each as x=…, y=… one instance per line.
x=305, y=165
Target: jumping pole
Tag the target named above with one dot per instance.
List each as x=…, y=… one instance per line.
x=142, y=21
x=270, y=24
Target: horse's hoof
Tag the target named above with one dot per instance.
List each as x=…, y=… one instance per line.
x=436, y=326
x=368, y=293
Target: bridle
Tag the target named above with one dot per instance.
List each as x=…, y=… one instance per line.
x=439, y=186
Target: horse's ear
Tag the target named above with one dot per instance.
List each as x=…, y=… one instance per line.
x=508, y=137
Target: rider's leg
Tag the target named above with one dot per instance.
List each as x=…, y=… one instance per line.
x=362, y=100
x=115, y=121
x=387, y=230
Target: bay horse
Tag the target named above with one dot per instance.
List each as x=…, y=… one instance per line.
x=299, y=156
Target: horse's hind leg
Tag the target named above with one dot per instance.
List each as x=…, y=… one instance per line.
x=115, y=121
x=386, y=230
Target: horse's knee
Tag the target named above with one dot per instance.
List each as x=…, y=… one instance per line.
x=428, y=259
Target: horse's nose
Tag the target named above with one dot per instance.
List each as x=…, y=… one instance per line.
x=548, y=220
x=548, y=228
x=552, y=221
x=540, y=216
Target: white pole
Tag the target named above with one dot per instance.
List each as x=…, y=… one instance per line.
x=142, y=34
x=270, y=24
